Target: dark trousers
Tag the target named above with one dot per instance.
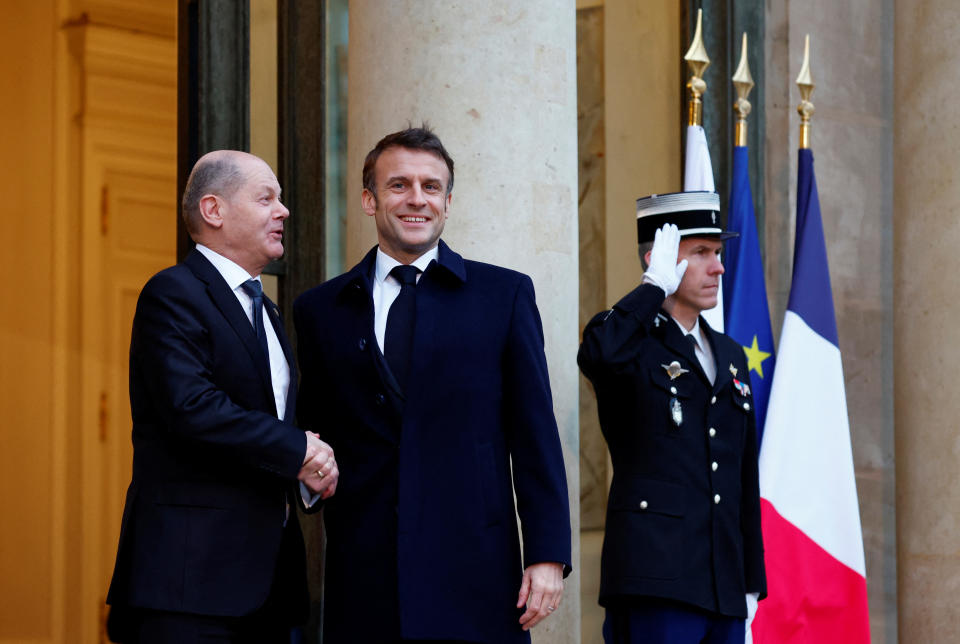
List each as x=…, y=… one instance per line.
x=142, y=626
x=659, y=622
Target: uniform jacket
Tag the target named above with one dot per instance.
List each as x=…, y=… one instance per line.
x=422, y=533
x=683, y=517
x=212, y=464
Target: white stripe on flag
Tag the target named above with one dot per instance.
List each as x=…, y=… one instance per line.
x=806, y=461
x=698, y=175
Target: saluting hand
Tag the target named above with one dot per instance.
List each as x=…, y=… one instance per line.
x=663, y=269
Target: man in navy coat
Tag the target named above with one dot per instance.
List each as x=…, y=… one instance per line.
x=210, y=545
x=426, y=373
x=682, y=559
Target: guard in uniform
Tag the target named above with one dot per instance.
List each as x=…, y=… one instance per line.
x=682, y=557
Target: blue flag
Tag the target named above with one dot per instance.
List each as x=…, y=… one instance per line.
x=746, y=314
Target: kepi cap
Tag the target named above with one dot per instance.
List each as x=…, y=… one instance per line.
x=694, y=213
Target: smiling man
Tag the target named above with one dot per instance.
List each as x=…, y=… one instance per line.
x=426, y=373
x=210, y=546
x=682, y=559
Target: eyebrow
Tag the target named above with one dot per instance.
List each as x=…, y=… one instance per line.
x=406, y=179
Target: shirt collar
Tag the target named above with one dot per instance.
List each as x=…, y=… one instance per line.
x=385, y=263
x=231, y=272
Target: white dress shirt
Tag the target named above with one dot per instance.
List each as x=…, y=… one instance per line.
x=386, y=288
x=702, y=350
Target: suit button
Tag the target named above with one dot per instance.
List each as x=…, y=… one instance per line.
x=643, y=505
x=714, y=466
x=716, y=499
x=362, y=343
x=380, y=398
x=712, y=432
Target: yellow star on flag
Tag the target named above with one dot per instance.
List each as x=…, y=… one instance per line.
x=755, y=357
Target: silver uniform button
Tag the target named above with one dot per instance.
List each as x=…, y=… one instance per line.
x=746, y=406
x=716, y=499
x=713, y=401
x=713, y=466
x=712, y=432
x=673, y=390
x=643, y=505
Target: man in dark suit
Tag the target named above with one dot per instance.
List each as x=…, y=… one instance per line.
x=426, y=373
x=682, y=559
x=210, y=546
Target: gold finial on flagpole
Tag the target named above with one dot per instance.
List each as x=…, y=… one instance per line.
x=698, y=61
x=743, y=82
x=805, y=109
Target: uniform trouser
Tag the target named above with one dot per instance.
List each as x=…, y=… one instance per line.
x=670, y=623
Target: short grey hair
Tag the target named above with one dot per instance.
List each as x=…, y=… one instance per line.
x=218, y=174
x=644, y=248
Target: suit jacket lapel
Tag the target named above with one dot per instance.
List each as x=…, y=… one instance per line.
x=721, y=354
x=228, y=304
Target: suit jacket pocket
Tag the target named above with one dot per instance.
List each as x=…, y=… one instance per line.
x=645, y=528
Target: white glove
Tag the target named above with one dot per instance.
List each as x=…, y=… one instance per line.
x=663, y=269
x=752, y=600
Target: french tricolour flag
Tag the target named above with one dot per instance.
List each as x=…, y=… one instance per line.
x=816, y=576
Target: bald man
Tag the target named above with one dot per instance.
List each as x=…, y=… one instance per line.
x=210, y=547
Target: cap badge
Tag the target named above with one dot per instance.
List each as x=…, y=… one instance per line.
x=713, y=217
x=674, y=370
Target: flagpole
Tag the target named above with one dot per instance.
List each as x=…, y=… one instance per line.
x=698, y=61
x=743, y=82
x=805, y=108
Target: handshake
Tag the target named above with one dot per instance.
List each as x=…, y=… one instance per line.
x=319, y=472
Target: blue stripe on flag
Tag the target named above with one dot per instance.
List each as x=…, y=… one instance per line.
x=810, y=294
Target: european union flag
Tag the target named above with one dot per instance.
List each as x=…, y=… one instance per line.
x=746, y=314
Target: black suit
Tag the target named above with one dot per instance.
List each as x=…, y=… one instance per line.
x=213, y=467
x=678, y=527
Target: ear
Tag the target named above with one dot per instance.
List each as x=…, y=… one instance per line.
x=646, y=257
x=446, y=208
x=369, y=202
x=211, y=210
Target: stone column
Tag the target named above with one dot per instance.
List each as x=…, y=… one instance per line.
x=497, y=82
x=926, y=351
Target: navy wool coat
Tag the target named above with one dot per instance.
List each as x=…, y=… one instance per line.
x=422, y=532
x=683, y=517
x=213, y=466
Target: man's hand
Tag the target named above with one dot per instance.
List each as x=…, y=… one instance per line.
x=541, y=591
x=319, y=472
x=663, y=269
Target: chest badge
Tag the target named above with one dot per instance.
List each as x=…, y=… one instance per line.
x=674, y=370
x=676, y=412
x=742, y=387
x=733, y=370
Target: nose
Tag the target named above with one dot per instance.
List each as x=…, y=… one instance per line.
x=282, y=212
x=416, y=198
x=716, y=268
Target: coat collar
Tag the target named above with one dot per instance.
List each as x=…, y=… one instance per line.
x=360, y=277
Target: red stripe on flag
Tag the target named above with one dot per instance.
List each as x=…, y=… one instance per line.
x=812, y=597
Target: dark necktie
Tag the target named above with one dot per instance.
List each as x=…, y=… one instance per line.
x=255, y=290
x=398, y=340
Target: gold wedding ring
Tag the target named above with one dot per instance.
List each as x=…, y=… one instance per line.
x=319, y=474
